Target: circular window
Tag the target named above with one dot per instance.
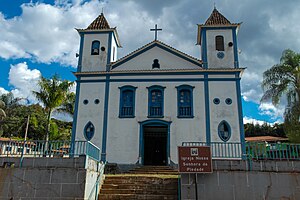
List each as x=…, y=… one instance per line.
x=228, y=101
x=220, y=55
x=102, y=48
x=85, y=101
x=216, y=100
x=97, y=101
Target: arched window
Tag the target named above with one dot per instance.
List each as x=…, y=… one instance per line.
x=127, y=101
x=95, y=47
x=224, y=131
x=89, y=131
x=219, y=43
x=185, y=101
x=156, y=101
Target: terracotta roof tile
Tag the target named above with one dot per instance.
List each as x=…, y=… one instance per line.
x=99, y=23
x=265, y=139
x=217, y=18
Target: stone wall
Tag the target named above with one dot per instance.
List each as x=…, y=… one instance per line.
x=256, y=180
x=47, y=178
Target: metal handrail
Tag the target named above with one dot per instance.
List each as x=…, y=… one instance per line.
x=43, y=148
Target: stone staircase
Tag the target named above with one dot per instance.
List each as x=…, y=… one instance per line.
x=148, y=182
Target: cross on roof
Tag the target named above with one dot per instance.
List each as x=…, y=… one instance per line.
x=155, y=29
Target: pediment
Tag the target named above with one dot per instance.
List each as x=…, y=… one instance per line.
x=156, y=55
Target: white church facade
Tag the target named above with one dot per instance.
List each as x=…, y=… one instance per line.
x=139, y=108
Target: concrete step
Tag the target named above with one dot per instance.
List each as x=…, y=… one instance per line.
x=148, y=182
x=139, y=191
x=173, y=186
x=136, y=197
x=140, y=181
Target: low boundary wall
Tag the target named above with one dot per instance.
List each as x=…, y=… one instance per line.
x=49, y=178
x=247, y=180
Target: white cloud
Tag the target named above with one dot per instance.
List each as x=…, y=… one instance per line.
x=3, y=91
x=260, y=122
x=45, y=33
x=23, y=80
x=272, y=111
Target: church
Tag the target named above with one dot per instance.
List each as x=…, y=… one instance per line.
x=139, y=108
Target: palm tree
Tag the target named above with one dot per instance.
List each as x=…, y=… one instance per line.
x=68, y=106
x=52, y=94
x=283, y=79
x=2, y=112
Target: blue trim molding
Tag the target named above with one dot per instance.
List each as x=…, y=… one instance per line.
x=156, y=101
x=185, y=108
x=204, y=48
x=80, y=53
x=153, y=122
x=240, y=115
x=235, y=48
x=74, y=124
x=109, y=43
x=127, y=101
x=151, y=73
x=161, y=80
x=207, y=110
x=105, y=120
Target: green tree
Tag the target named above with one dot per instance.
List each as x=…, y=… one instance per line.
x=53, y=92
x=283, y=79
x=68, y=106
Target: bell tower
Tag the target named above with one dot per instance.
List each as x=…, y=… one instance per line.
x=98, y=46
x=218, y=40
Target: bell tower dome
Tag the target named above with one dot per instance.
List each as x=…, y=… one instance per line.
x=98, y=46
x=218, y=40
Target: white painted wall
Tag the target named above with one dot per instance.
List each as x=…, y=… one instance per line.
x=123, y=133
x=166, y=59
x=212, y=59
x=94, y=62
x=222, y=111
x=90, y=112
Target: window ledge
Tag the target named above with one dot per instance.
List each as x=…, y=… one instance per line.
x=126, y=116
x=153, y=116
x=185, y=116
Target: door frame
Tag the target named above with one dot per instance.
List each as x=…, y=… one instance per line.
x=153, y=122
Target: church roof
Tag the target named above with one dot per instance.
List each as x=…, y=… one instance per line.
x=153, y=44
x=99, y=23
x=216, y=18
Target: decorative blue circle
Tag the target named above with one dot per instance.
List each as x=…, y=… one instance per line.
x=85, y=101
x=228, y=101
x=216, y=101
x=220, y=55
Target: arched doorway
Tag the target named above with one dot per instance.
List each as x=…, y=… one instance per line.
x=154, y=142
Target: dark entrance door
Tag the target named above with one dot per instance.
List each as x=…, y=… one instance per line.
x=155, y=145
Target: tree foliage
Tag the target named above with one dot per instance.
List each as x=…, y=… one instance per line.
x=52, y=94
x=264, y=129
x=283, y=79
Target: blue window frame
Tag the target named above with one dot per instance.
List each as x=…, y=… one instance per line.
x=127, y=101
x=185, y=101
x=95, y=47
x=89, y=131
x=156, y=101
x=224, y=131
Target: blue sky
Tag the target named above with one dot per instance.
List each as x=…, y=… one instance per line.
x=38, y=38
